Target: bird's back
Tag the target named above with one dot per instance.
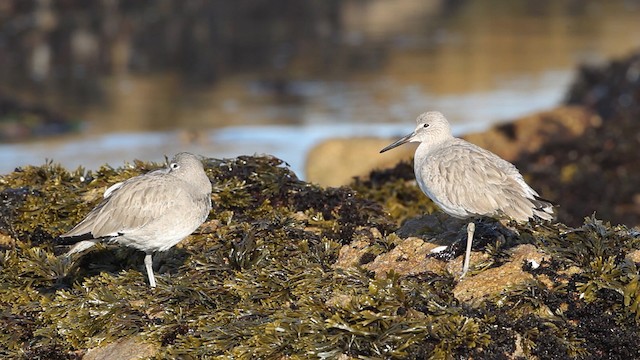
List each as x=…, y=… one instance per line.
x=148, y=212
x=465, y=180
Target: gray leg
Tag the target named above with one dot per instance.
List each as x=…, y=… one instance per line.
x=471, y=228
x=148, y=263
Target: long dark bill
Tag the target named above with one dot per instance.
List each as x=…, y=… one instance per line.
x=401, y=141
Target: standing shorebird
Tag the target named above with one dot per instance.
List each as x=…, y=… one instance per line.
x=150, y=212
x=466, y=181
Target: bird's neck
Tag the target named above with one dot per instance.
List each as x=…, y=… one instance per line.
x=426, y=147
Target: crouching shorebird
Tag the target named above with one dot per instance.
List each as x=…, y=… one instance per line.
x=465, y=180
x=150, y=212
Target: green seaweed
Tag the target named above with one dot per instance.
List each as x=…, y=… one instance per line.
x=259, y=280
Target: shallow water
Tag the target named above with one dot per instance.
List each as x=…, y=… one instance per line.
x=288, y=142
x=479, y=62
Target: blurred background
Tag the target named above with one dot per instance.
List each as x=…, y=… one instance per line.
x=108, y=81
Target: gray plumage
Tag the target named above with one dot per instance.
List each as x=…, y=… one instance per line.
x=465, y=180
x=150, y=212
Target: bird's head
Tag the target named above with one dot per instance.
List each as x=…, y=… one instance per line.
x=431, y=126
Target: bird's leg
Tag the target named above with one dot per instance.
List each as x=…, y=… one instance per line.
x=471, y=228
x=148, y=263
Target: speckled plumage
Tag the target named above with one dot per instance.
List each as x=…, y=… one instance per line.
x=465, y=180
x=150, y=212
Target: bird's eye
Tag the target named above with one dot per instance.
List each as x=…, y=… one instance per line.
x=425, y=125
x=174, y=166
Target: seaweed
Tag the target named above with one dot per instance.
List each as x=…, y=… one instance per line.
x=597, y=171
x=260, y=280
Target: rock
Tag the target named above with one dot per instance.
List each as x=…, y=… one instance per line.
x=350, y=255
x=413, y=255
x=335, y=162
x=634, y=256
x=491, y=282
x=359, y=156
x=6, y=241
x=530, y=133
x=123, y=349
x=410, y=257
x=597, y=171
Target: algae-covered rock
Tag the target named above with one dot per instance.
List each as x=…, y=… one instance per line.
x=529, y=134
x=597, y=171
x=267, y=276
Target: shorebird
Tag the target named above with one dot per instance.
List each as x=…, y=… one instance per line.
x=467, y=181
x=150, y=212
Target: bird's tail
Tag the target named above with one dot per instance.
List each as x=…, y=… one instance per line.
x=81, y=246
x=544, y=209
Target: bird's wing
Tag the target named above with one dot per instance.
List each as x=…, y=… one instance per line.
x=116, y=186
x=128, y=207
x=478, y=181
x=111, y=189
